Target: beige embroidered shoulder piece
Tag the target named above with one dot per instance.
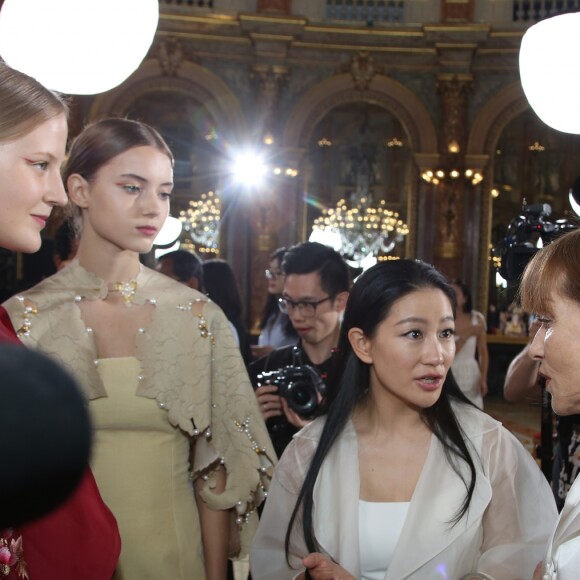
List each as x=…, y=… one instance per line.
x=189, y=364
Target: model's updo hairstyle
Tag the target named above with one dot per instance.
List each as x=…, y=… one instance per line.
x=25, y=104
x=102, y=141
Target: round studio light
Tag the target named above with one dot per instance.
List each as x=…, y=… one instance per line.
x=170, y=231
x=550, y=71
x=79, y=47
x=574, y=196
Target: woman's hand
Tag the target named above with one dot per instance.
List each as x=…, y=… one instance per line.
x=321, y=568
x=483, y=388
x=260, y=351
x=539, y=571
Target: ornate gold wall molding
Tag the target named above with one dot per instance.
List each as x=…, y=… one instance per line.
x=454, y=94
x=363, y=69
x=191, y=79
x=383, y=91
x=269, y=80
x=493, y=117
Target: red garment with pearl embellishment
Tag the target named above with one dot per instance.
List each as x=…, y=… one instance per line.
x=78, y=540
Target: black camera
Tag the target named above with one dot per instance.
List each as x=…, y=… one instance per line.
x=526, y=234
x=299, y=384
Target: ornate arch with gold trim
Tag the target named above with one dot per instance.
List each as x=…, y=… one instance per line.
x=192, y=80
x=485, y=132
x=384, y=92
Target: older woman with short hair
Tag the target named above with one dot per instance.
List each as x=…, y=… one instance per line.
x=550, y=288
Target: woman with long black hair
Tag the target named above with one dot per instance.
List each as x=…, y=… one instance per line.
x=402, y=477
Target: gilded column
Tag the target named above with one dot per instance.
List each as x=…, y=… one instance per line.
x=269, y=80
x=453, y=93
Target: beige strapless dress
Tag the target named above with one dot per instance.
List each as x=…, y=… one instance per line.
x=141, y=465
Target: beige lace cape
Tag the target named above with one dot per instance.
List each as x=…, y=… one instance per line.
x=189, y=364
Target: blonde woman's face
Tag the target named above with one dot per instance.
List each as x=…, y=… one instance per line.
x=30, y=184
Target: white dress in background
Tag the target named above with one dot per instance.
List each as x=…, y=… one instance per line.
x=274, y=333
x=465, y=367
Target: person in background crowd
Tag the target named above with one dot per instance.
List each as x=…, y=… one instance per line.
x=471, y=358
x=222, y=288
x=183, y=266
x=401, y=476
x=168, y=392
x=66, y=244
x=276, y=329
x=315, y=291
x=550, y=289
x=79, y=539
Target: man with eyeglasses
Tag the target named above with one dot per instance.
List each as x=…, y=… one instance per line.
x=316, y=287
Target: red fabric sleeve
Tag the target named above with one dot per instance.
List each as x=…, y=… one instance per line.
x=7, y=333
x=80, y=539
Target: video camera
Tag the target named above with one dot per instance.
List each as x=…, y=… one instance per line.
x=299, y=384
x=523, y=237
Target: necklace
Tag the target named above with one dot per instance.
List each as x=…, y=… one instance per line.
x=126, y=290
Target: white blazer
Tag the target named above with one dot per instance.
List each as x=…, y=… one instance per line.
x=503, y=534
x=562, y=560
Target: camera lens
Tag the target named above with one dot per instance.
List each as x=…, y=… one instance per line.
x=302, y=398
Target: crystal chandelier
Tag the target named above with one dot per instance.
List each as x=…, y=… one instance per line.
x=201, y=220
x=361, y=229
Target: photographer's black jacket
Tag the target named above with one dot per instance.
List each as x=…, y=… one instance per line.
x=281, y=431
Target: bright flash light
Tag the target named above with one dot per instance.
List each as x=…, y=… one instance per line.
x=249, y=168
x=575, y=205
x=170, y=231
x=500, y=282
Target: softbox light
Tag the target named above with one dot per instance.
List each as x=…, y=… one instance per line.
x=80, y=47
x=550, y=71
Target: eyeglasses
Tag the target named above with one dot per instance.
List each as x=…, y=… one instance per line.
x=272, y=274
x=305, y=307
